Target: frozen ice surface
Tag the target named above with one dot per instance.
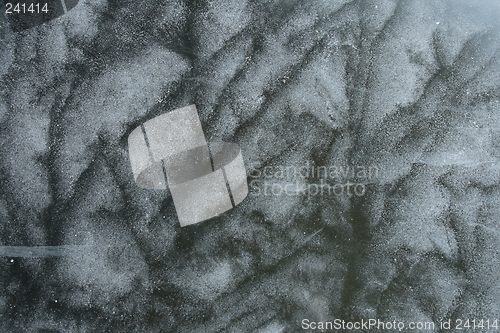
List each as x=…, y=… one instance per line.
x=410, y=87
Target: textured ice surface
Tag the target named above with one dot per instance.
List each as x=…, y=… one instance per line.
x=411, y=87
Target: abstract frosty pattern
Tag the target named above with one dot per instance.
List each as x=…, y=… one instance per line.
x=412, y=87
